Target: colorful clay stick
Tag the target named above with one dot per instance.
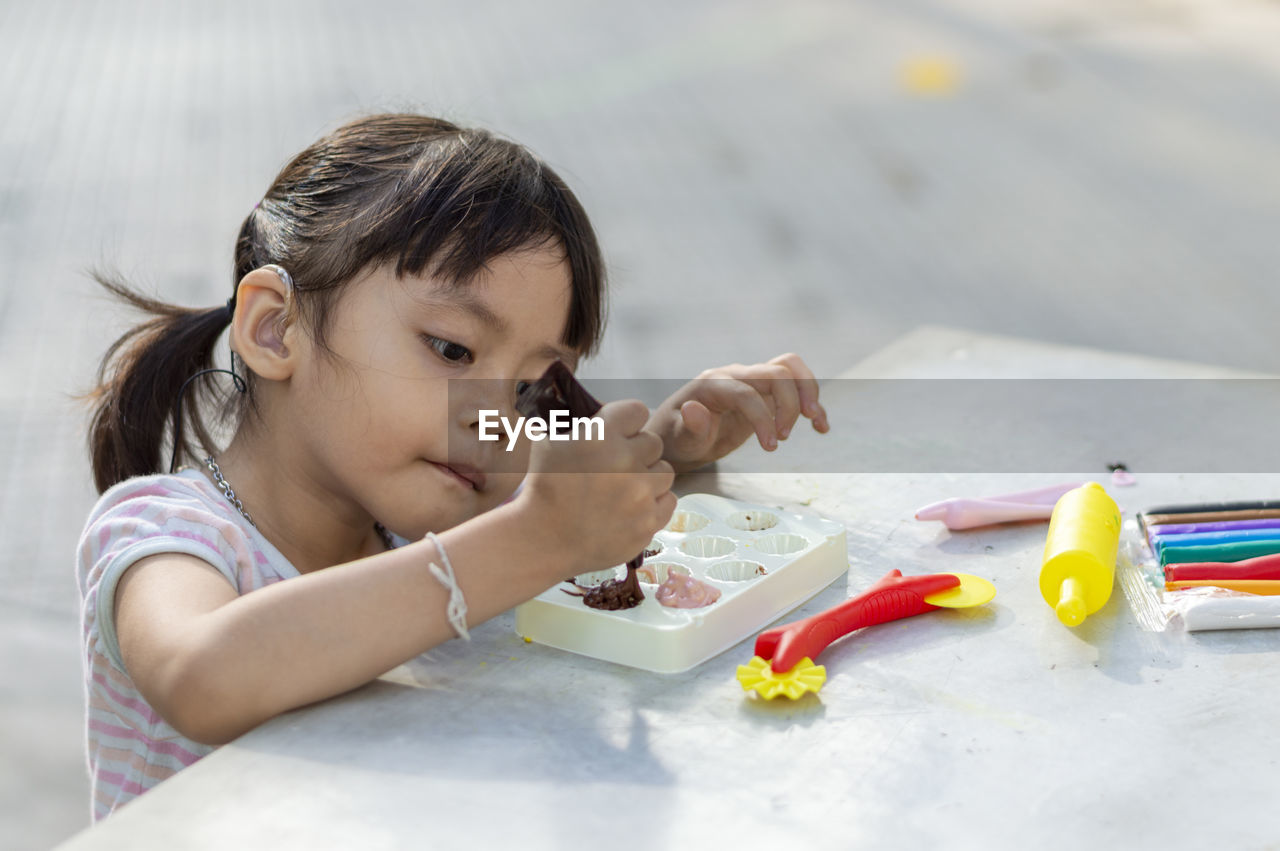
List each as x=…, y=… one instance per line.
x=1262, y=587
x=1203, y=507
x=1221, y=552
x=1150, y=519
x=1159, y=540
x=1260, y=567
x=1227, y=526
x=1162, y=514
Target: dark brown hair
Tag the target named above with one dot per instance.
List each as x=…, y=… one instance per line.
x=419, y=192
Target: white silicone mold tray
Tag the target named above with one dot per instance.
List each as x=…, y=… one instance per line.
x=764, y=562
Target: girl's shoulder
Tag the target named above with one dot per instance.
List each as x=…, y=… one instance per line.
x=183, y=512
x=186, y=492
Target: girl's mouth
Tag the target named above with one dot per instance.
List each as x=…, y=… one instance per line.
x=464, y=474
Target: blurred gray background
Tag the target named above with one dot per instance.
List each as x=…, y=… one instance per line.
x=765, y=176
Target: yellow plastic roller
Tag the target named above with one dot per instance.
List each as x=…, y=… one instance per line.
x=1080, y=553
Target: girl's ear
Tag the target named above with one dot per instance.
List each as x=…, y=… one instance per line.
x=263, y=331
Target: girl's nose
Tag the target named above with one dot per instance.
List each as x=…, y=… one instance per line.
x=471, y=399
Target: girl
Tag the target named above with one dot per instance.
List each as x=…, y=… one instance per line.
x=391, y=256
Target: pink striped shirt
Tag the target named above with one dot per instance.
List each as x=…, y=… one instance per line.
x=130, y=747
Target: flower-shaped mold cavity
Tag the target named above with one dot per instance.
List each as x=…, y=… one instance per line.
x=595, y=577
x=752, y=521
x=736, y=571
x=780, y=545
x=656, y=572
x=687, y=521
x=654, y=548
x=708, y=547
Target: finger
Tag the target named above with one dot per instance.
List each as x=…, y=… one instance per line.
x=733, y=394
x=694, y=424
x=648, y=448
x=820, y=422
x=776, y=381
x=663, y=476
x=806, y=387
x=664, y=506
x=626, y=417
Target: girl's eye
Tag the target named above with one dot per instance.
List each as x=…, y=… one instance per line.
x=450, y=351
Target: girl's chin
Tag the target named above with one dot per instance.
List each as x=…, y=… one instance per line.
x=444, y=516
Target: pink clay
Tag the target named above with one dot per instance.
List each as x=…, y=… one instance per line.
x=685, y=592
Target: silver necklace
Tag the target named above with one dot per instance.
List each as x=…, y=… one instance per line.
x=225, y=487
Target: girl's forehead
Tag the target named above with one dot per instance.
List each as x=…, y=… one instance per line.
x=529, y=274
x=512, y=296
x=506, y=286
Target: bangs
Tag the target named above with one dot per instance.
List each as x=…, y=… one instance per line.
x=468, y=197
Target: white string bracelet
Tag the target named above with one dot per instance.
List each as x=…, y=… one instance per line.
x=457, y=608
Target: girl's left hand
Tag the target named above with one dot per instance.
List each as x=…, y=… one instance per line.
x=712, y=415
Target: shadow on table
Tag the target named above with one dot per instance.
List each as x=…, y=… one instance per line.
x=1124, y=650
x=461, y=741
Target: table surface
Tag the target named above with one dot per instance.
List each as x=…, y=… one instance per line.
x=991, y=727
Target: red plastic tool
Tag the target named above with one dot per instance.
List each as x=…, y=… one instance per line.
x=892, y=597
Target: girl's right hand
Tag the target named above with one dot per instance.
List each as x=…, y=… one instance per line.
x=599, y=502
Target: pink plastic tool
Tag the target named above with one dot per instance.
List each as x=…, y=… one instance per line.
x=967, y=513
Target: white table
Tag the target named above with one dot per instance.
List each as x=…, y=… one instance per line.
x=994, y=727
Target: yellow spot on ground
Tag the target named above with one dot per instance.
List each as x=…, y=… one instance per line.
x=930, y=75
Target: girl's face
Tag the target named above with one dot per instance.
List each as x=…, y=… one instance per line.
x=382, y=424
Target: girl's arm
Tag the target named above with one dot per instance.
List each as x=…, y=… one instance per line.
x=215, y=665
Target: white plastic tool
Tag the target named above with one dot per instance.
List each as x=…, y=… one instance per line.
x=763, y=561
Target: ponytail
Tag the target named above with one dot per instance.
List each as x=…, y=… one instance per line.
x=140, y=384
